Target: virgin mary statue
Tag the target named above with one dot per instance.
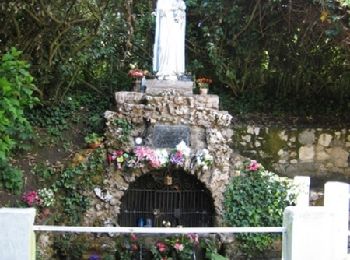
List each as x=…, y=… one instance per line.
x=169, y=46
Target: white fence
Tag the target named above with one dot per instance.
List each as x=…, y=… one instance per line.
x=308, y=233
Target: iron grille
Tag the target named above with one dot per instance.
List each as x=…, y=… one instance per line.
x=185, y=202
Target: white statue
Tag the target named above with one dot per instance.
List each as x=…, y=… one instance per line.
x=169, y=46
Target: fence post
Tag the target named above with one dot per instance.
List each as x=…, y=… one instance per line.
x=308, y=234
x=336, y=199
x=17, y=240
x=303, y=187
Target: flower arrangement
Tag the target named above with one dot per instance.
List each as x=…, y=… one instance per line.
x=135, y=73
x=142, y=156
x=203, y=82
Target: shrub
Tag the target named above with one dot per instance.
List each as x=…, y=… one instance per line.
x=16, y=91
x=11, y=178
x=256, y=198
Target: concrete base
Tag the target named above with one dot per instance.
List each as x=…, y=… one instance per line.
x=17, y=241
x=156, y=86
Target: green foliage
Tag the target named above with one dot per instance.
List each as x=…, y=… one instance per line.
x=82, y=108
x=273, y=55
x=11, y=178
x=292, y=55
x=124, y=130
x=256, y=198
x=16, y=90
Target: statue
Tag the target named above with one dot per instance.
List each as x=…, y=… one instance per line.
x=169, y=46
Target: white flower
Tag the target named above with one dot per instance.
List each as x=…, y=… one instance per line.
x=162, y=156
x=183, y=148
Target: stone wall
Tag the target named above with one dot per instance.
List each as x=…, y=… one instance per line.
x=209, y=129
x=315, y=152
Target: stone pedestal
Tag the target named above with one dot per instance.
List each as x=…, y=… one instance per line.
x=156, y=87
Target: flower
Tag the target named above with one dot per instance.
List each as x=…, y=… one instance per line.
x=46, y=197
x=203, y=82
x=163, y=156
x=204, y=159
x=161, y=247
x=254, y=165
x=194, y=238
x=179, y=247
x=133, y=237
x=135, y=73
x=177, y=158
x=31, y=198
x=183, y=148
x=145, y=153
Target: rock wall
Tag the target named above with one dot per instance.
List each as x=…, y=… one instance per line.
x=209, y=129
x=315, y=152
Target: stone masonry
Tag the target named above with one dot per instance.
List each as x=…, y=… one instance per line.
x=209, y=128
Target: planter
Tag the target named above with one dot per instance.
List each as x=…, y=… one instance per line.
x=203, y=91
x=137, y=85
x=94, y=145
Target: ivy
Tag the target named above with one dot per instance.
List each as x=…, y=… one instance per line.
x=256, y=198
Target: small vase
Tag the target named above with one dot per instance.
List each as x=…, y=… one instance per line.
x=168, y=180
x=203, y=91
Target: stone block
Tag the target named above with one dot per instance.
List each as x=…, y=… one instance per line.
x=325, y=140
x=306, y=153
x=340, y=157
x=307, y=137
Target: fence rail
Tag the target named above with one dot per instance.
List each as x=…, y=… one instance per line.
x=158, y=230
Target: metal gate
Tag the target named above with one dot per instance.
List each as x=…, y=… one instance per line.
x=154, y=201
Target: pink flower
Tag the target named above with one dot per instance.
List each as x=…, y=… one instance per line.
x=146, y=153
x=194, y=238
x=161, y=247
x=31, y=198
x=179, y=247
x=254, y=165
x=133, y=237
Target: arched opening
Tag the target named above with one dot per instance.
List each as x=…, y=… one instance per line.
x=156, y=200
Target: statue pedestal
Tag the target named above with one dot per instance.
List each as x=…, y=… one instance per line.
x=156, y=86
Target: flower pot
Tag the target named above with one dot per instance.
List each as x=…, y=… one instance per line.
x=137, y=85
x=94, y=145
x=203, y=91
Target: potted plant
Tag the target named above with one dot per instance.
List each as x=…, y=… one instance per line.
x=136, y=75
x=93, y=140
x=203, y=85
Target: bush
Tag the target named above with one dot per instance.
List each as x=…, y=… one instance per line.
x=256, y=198
x=16, y=91
x=11, y=178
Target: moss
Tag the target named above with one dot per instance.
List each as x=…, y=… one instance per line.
x=273, y=143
